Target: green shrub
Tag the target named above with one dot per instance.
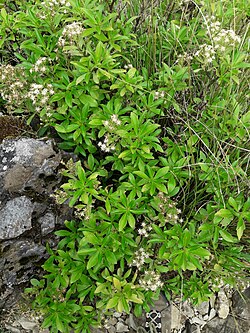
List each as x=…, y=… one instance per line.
x=153, y=100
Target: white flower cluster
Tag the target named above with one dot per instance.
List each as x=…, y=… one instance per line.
x=83, y=211
x=40, y=94
x=185, y=2
x=129, y=66
x=52, y=6
x=159, y=94
x=151, y=280
x=107, y=145
x=139, y=258
x=222, y=38
x=70, y=33
x=168, y=208
x=112, y=124
x=184, y=58
x=145, y=230
x=59, y=196
x=206, y=53
x=40, y=65
x=13, y=87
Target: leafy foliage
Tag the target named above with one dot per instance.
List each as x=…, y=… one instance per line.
x=155, y=107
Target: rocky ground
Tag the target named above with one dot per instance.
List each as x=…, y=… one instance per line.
x=229, y=312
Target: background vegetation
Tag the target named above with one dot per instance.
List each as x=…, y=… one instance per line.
x=152, y=96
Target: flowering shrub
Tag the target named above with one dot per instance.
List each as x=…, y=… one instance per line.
x=156, y=110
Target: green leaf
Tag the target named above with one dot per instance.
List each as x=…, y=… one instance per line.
x=111, y=258
x=86, y=252
x=87, y=99
x=138, y=310
x=123, y=222
x=117, y=283
x=201, y=252
x=91, y=161
x=35, y=282
x=59, y=324
x=162, y=172
x=134, y=121
x=233, y=204
x=93, y=261
x=57, y=97
x=4, y=13
x=80, y=79
x=68, y=99
x=227, y=236
x=171, y=184
x=112, y=302
x=240, y=228
x=49, y=321
x=134, y=298
x=131, y=220
x=125, y=153
x=161, y=187
x=141, y=174
x=101, y=288
x=91, y=238
x=224, y=213
x=96, y=122
x=76, y=273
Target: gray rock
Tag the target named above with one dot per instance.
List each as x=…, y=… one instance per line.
x=15, y=217
x=27, y=324
x=161, y=303
x=28, y=175
x=223, y=305
x=112, y=321
x=117, y=314
x=111, y=329
x=241, y=305
x=197, y=320
x=27, y=164
x=130, y=321
x=203, y=308
x=120, y=328
x=188, y=309
x=47, y=223
x=12, y=329
x=177, y=318
x=166, y=320
x=212, y=314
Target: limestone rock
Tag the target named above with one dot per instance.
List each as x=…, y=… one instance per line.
x=161, y=304
x=177, y=318
x=28, y=215
x=15, y=217
x=203, y=308
x=27, y=324
x=241, y=305
x=188, y=309
x=47, y=223
x=223, y=305
x=121, y=328
x=26, y=164
x=212, y=314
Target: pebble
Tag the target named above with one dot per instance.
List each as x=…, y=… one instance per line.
x=223, y=305
x=111, y=329
x=120, y=328
x=112, y=321
x=26, y=324
x=212, y=314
